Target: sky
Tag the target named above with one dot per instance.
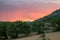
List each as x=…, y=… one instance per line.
x=12, y=10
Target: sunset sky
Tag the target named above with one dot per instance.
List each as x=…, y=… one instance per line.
x=12, y=10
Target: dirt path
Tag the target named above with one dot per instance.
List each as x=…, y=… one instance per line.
x=52, y=36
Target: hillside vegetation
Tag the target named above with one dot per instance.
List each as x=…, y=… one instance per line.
x=18, y=29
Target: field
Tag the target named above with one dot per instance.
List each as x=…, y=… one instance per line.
x=51, y=36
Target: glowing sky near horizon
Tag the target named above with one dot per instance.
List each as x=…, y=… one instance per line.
x=12, y=10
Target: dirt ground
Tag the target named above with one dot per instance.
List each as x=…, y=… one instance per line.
x=51, y=36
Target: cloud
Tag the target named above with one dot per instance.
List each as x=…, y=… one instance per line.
x=25, y=4
x=26, y=9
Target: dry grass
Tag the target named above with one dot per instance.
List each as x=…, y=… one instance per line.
x=51, y=36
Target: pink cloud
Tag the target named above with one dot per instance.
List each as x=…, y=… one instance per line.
x=26, y=10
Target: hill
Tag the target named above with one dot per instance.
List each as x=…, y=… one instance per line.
x=53, y=15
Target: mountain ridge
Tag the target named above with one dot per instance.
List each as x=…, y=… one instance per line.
x=53, y=15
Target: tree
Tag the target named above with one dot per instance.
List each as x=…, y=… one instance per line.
x=13, y=30
x=27, y=28
x=56, y=23
x=3, y=29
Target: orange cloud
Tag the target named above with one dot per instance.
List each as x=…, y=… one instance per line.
x=26, y=10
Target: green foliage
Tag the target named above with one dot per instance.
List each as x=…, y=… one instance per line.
x=4, y=29
x=56, y=23
x=14, y=29
x=26, y=28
